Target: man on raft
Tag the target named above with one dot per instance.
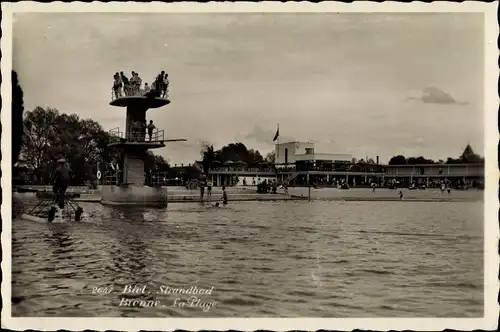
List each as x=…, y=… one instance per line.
x=61, y=180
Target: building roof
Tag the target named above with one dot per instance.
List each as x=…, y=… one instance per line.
x=468, y=152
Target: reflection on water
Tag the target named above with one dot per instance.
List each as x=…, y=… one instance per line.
x=290, y=259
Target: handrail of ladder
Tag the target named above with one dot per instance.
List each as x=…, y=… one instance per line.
x=291, y=177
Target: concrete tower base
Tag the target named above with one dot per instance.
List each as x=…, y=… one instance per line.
x=134, y=195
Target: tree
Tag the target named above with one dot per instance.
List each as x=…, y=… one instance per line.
x=398, y=160
x=208, y=157
x=17, y=117
x=271, y=157
x=419, y=161
x=254, y=157
x=233, y=152
x=39, y=138
x=468, y=156
x=238, y=152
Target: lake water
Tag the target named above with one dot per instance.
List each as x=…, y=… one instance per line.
x=288, y=259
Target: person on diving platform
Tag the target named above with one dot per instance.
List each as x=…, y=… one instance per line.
x=61, y=179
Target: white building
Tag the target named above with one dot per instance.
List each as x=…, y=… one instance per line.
x=291, y=153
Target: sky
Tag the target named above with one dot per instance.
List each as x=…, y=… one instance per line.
x=359, y=83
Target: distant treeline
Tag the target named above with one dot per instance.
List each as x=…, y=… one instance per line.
x=467, y=157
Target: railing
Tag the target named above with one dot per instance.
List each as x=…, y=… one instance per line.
x=156, y=179
x=112, y=178
x=132, y=91
x=285, y=169
x=115, y=135
x=138, y=135
x=291, y=177
x=353, y=169
x=144, y=135
x=71, y=189
x=242, y=170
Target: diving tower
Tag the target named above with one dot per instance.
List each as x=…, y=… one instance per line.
x=134, y=141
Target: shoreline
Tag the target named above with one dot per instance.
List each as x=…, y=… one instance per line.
x=302, y=198
x=249, y=194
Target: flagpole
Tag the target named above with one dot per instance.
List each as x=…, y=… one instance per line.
x=278, y=131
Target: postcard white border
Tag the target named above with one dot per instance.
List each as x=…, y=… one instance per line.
x=488, y=322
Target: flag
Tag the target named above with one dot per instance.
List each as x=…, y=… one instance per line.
x=277, y=134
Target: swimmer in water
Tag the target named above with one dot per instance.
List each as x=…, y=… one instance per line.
x=216, y=205
x=401, y=195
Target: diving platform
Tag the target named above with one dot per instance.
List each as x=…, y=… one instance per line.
x=134, y=141
x=139, y=139
x=139, y=100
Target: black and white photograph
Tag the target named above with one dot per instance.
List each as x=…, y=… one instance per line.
x=299, y=166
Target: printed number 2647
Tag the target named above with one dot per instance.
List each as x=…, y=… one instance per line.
x=102, y=290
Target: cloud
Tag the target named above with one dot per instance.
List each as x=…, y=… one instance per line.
x=432, y=95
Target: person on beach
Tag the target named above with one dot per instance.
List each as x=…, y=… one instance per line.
x=224, y=195
x=401, y=195
x=202, y=183
x=443, y=187
x=374, y=185
x=209, y=189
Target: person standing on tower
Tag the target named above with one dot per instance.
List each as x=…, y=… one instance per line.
x=126, y=84
x=117, y=85
x=139, y=82
x=159, y=80
x=133, y=83
x=166, y=83
x=151, y=127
